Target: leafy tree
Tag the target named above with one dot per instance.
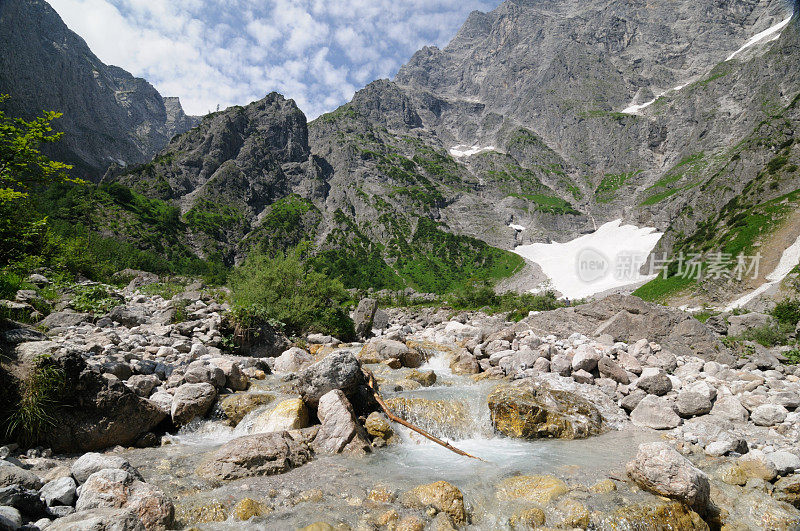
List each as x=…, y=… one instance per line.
x=22, y=165
x=287, y=289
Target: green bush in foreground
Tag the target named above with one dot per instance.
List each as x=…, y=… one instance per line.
x=39, y=399
x=286, y=289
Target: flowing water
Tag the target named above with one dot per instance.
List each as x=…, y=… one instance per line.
x=334, y=489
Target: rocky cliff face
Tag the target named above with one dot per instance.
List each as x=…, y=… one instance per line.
x=109, y=115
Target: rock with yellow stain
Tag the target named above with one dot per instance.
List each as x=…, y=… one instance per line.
x=443, y=418
x=603, y=487
x=382, y=494
x=388, y=518
x=377, y=426
x=536, y=489
x=424, y=378
x=410, y=523
x=319, y=526
x=290, y=414
x=529, y=411
x=573, y=513
x=527, y=518
x=440, y=495
x=249, y=508
x=658, y=515
x=233, y=408
x=732, y=474
x=200, y=514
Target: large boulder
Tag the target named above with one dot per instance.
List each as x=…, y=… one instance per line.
x=656, y=413
x=64, y=320
x=739, y=324
x=235, y=379
x=92, y=462
x=255, y=455
x=290, y=414
x=192, y=400
x=61, y=491
x=530, y=411
x=363, y=317
x=339, y=370
x=14, y=475
x=293, y=360
x=233, y=408
x=114, y=488
x=340, y=431
x=97, y=411
x=101, y=519
x=660, y=469
x=378, y=350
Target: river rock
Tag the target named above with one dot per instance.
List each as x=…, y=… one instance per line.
x=530, y=411
x=654, y=515
x=363, y=317
x=293, y=360
x=101, y=519
x=540, y=490
x=233, y=408
x=656, y=413
x=14, y=475
x=787, y=489
x=290, y=414
x=728, y=407
x=142, y=384
x=755, y=464
x=235, y=379
x=27, y=501
x=610, y=369
x=262, y=454
x=339, y=370
x=61, y=491
x=768, y=415
x=377, y=426
x=691, y=404
x=192, y=400
x=424, y=378
x=340, y=431
x=462, y=362
x=660, y=469
x=203, y=372
x=440, y=495
x=10, y=518
x=654, y=382
x=92, y=462
x=785, y=462
x=443, y=418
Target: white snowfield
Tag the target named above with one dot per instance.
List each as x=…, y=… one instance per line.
x=769, y=33
x=634, y=109
x=467, y=151
x=606, y=259
x=789, y=260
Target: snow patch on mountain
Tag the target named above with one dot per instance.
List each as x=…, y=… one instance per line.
x=789, y=260
x=769, y=33
x=606, y=259
x=467, y=151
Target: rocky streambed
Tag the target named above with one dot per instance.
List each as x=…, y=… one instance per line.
x=591, y=428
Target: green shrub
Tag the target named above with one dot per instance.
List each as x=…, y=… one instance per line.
x=478, y=296
x=792, y=356
x=787, y=312
x=768, y=336
x=93, y=299
x=40, y=397
x=285, y=288
x=165, y=290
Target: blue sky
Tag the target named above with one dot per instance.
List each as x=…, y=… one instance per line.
x=226, y=52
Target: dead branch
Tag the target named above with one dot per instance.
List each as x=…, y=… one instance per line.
x=374, y=388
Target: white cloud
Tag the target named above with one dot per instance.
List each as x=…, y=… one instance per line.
x=231, y=52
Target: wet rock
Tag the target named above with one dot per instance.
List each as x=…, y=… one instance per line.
x=248, y=508
x=531, y=411
x=292, y=360
x=100, y=519
x=255, y=455
x=536, y=489
x=462, y=362
x=574, y=514
x=14, y=475
x=660, y=469
x=768, y=415
x=378, y=350
x=755, y=464
x=62, y=491
x=656, y=413
x=424, y=378
x=339, y=370
x=661, y=515
x=527, y=518
x=440, y=495
x=340, y=431
x=92, y=462
x=442, y=418
x=603, y=486
x=233, y=408
x=654, y=382
x=691, y=404
x=377, y=426
x=290, y=414
x=192, y=400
